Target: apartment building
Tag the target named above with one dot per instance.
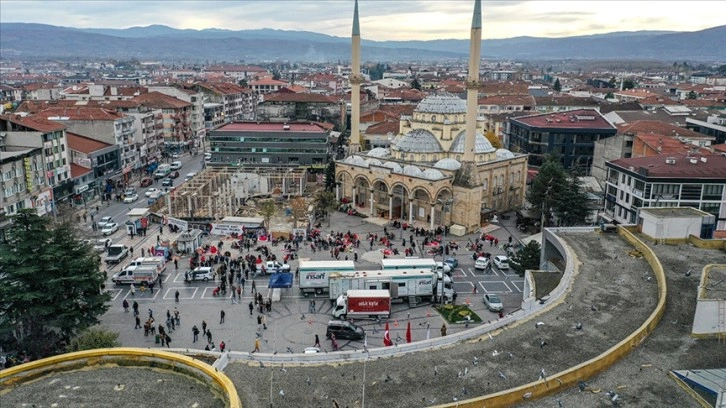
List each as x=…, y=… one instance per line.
x=677, y=180
x=196, y=114
x=92, y=162
x=238, y=103
x=176, y=114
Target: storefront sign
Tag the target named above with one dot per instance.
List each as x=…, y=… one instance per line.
x=28, y=173
x=81, y=189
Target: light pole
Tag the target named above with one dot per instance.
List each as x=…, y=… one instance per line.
x=544, y=201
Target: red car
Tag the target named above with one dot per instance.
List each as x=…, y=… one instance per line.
x=173, y=174
x=146, y=182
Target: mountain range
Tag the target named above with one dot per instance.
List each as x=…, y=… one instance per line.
x=163, y=43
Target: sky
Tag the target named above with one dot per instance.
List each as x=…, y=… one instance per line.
x=380, y=20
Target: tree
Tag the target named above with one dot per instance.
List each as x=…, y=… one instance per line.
x=416, y=84
x=526, y=258
x=94, y=338
x=609, y=95
x=299, y=208
x=243, y=83
x=50, y=284
x=267, y=210
x=571, y=206
x=557, y=86
x=325, y=202
x=549, y=183
x=628, y=84
x=692, y=95
x=493, y=139
x=330, y=176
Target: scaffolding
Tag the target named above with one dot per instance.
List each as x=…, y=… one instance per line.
x=216, y=193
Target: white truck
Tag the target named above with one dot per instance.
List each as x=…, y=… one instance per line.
x=140, y=275
x=314, y=275
x=272, y=267
x=115, y=253
x=413, y=285
x=159, y=262
x=363, y=304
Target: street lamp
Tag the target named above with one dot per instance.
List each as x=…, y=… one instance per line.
x=544, y=201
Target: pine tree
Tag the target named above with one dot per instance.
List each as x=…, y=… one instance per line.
x=557, y=86
x=527, y=258
x=571, y=206
x=330, y=176
x=550, y=182
x=50, y=284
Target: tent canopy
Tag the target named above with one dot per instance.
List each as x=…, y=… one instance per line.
x=280, y=280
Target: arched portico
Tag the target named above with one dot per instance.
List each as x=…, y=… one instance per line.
x=343, y=185
x=361, y=194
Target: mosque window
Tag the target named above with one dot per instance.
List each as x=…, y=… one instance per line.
x=433, y=118
x=486, y=184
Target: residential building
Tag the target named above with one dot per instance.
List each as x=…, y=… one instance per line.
x=562, y=103
x=714, y=125
x=498, y=104
x=266, y=85
x=40, y=92
x=99, y=92
x=92, y=162
x=269, y=144
x=238, y=103
x=238, y=72
x=288, y=106
x=195, y=127
x=213, y=115
x=569, y=135
x=679, y=180
x=176, y=126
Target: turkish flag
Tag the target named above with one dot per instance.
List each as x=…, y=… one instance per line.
x=387, y=337
x=408, y=332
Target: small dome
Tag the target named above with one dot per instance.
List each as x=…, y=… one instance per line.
x=378, y=152
x=504, y=154
x=482, y=144
x=355, y=160
x=432, y=174
x=448, y=164
x=419, y=141
x=373, y=162
x=412, y=170
x=393, y=166
x=442, y=102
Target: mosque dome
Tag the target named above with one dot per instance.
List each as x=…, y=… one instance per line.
x=355, y=160
x=448, y=164
x=432, y=174
x=504, y=154
x=378, y=152
x=482, y=144
x=442, y=102
x=419, y=141
x=395, y=167
x=411, y=170
x=373, y=162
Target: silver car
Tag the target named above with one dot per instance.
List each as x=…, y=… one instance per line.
x=493, y=303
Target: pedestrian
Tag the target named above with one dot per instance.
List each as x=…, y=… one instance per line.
x=85, y=218
x=176, y=296
x=221, y=317
x=151, y=314
x=443, y=330
x=168, y=340
x=138, y=322
x=176, y=264
x=125, y=305
x=133, y=290
x=135, y=307
x=222, y=346
x=239, y=293
x=257, y=345
x=259, y=322
x=251, y=307
x=268, y=305
x=209, y=336
x=158, y=239
x=317, y=341
x=204, y=327
x=254, y=287
x=142, y=252
x=177, y=319
x=312, y=304
x=195, y=332
x=131, y=249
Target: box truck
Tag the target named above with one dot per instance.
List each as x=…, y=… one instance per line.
x=363, y=304
x=156, y=261
x=139, y=275
x=413, y=285
x=314, y=275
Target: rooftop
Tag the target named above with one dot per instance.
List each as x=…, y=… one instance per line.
x=269, y=127
x=573, y=119
x=714, y=167
x=297, y=97
x=34, y=123
x=160, y=100
x=84, y=144
x=674, y=212
x=81, y=113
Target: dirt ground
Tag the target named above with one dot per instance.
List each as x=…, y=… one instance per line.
x=611, y=297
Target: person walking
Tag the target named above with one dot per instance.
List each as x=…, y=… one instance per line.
x=317, y=341
x=257, y=345
x=138, y=322
x=209, y=336
x=221, y=317
x=195, y=332
x=176, y=296
x=312, y=304
x=168, y=340
x=151, y=314
x=443, y=330
x=204, y=327
x=222, y=346
x=131, y=250
x=135, y=307
x=176, y=264
x=133, y=290
x=251, y=306
x=125, y=305
x=254, y=287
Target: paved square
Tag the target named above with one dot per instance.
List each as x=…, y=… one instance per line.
x=115, y=293
x=518, y=285
x=184, y=293
x=495, y=287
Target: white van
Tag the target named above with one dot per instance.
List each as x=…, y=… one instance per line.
x=189, y=176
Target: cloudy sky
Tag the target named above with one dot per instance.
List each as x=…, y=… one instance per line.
x=380, y=19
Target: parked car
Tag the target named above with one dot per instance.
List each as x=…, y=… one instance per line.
x=501, y=261
x=104, y=221
x=147, y=181
x=130, y=191
x=130, y=198
x=343, y=329
x=189, y=176
x=109, y=228
x=151, y=191
x=481, y=263
x=173, y=174
x=167, y=182
x=100, y=245
x=176, y=165
x=493, y=303
x=199, y=274
x=175, y=155
x=452, y=262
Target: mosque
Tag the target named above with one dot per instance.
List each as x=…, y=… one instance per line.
x=439, y=169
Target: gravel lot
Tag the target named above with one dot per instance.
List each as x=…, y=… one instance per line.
x=608, y=279
x=112, y=386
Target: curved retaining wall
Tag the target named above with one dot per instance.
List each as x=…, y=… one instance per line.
x=220, y=384
x=567, y=378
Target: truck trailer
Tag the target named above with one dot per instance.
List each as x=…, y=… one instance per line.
x=363, y=304
x=314, y=275
x=413, y=285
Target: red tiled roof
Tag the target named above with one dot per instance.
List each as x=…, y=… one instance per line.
x=37, y=106
x=160, y=100
x=713, y=169
x=663, y=145
x=234, y=68
x=78, y=171
x=297, y=97
x=84, y=144
x=270, y=127
x=82, y=113
x=523, y=100
x=719, y=147
x=267, y=81
x=504, y=88
x=34, y=123
x=564, y=100
x=573, y=119
x=222, y=88
x=658, y=128
x=383, y=128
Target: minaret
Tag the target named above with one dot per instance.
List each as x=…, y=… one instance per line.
x=468, y=174
x=355, y=81
x=472, y=84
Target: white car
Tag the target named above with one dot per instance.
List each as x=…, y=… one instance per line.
x=501, y=261
x=104, y=221
x=189, y=176
x=131, y=198
x=481, y=263
x=493, y=303
x=151, y=191
x=176, y=165
x=100, y=245
x=109, y=229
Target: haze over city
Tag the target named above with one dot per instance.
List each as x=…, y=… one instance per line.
x=414, y=19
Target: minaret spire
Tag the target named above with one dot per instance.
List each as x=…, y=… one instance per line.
x=355, y=81
x=472, y=83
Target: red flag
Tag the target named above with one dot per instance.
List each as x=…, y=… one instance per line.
x=408, y=332
x=387, y=337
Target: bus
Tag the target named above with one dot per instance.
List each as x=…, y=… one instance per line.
x=314, y=275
